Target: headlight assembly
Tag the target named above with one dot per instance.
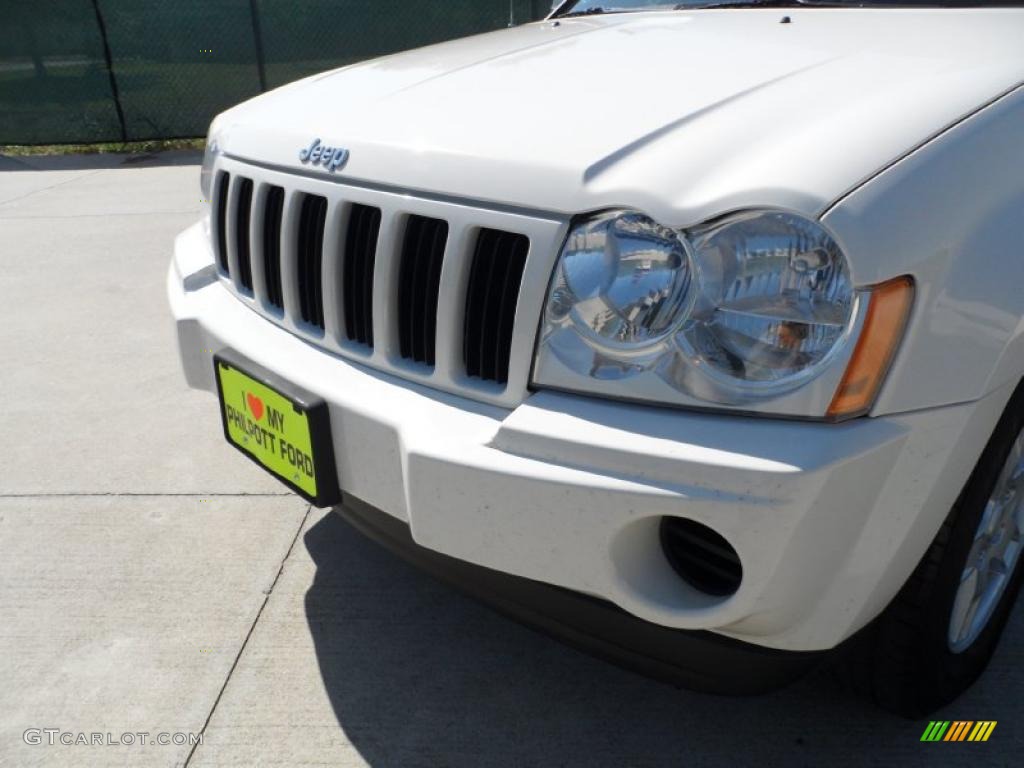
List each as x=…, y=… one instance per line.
x=775, y=303
x=746, y=310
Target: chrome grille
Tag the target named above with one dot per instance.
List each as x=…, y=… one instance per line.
x=428, y=289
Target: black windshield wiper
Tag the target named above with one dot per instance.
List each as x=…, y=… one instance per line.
x=594, y=11
x=762, y=4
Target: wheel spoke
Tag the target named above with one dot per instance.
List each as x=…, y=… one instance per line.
x=1016, y=495
x=966, y=599
x=969, y=618
x=1011, y=554
x=997, y=545
x=969, y=573
x=990, y=518
x=978, y=549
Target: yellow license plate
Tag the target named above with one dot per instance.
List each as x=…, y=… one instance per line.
x=280, y=427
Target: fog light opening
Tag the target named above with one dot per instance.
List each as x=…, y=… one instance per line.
x=701, y=557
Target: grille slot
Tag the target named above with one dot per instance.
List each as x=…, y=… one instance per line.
x=702, y=557
x=312, y=220
x=243, y=215
x=419, y=282
x=495, y=278
x=223, y=182
x=272, y=214
x=357, y=277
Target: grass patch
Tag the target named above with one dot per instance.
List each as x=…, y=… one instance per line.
x=119, y=147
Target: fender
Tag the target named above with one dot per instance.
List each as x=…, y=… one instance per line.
x=949, y=214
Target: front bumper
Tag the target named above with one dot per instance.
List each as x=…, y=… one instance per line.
x=694, y=659
x=828, y=520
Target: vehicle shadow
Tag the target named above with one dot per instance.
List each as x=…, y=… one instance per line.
x=418, y=674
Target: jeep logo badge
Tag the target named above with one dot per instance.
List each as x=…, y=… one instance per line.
x=331, y=158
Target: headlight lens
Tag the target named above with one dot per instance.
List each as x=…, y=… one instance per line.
x=776, y=299
x=623, y=280
x=752, y=306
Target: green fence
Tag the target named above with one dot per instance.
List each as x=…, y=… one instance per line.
x=113, y=70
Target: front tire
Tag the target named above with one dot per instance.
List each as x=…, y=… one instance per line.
x=939, y=633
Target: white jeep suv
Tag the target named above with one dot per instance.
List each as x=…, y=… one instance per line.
x=691, y=334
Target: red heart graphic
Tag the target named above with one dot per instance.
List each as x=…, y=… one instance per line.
x=255, y=405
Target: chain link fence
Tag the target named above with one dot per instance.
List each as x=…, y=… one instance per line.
x=77, y=71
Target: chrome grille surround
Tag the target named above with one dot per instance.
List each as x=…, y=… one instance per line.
x=465, y=220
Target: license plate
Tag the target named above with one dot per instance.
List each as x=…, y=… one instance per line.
x=281, y=427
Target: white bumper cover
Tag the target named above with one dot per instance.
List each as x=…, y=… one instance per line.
x=828, y=520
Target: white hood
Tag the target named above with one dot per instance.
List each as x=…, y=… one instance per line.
x=683, y=115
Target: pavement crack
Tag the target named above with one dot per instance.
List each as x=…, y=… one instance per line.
x=113, y=214
x=238, y=657
x=13, y=200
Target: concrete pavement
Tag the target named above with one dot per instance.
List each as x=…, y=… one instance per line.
x=153, y=580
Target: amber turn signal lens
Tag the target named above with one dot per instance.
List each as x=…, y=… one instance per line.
x=883, y=328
